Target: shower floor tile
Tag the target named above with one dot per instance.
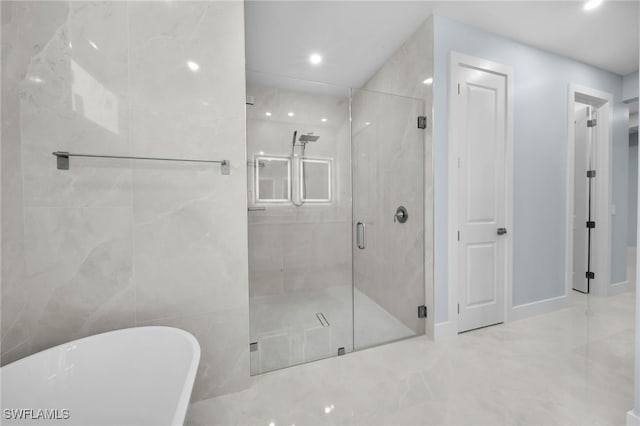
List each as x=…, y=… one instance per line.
x=291, y=329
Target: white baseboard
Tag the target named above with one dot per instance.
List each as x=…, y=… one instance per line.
x=632, y=419
x=445, y=329
x=617, y=288
x=540, y=307
x=449, y=328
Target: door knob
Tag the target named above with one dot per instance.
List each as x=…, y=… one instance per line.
x=502, y=231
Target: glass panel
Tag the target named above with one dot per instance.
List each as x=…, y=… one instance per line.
x=388, y=173
x=316, y=180
x=300, y=278
x=273, y=179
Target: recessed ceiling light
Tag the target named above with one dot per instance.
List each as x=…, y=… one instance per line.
x=367, y=123
x=428, y=80
x=324, y=120
x=290, y=114
x=36, y=79
x=193, y=66
x=315, y=59
x=592, y=4
x=95, y=46
x=268, y=114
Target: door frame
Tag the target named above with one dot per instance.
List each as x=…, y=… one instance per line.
x=603, y=103
x=456, y=61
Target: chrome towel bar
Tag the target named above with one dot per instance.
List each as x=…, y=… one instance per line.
x=62, y=159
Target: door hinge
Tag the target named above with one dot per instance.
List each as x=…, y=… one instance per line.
x=458, y=309
x=458, y=88
x=253, y=347
x=422, y=311
x=592, y=123
x=591, y=275
x=591, y=224
x=458, y=162
x=458, y=235
x=422, y=122
x=591, y=173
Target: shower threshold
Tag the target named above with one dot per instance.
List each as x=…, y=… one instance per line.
x=308, y=325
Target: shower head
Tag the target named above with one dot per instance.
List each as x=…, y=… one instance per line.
x=308, y=138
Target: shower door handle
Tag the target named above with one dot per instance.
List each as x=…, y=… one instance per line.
x=361, y=235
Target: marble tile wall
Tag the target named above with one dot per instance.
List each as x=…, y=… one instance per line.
x=402, y=74
x=114, y=243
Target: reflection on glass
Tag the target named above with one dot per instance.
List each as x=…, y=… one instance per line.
x=94, y=101
x=315, y=180
x=273, y=179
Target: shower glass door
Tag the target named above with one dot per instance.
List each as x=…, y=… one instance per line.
x=336, y=220
x=388, y=217
x=299, y=198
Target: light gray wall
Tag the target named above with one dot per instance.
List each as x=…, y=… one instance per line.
x=619, y=183
x=633, y=191
x=540, y=157
x=630, y=86
x=110, y=243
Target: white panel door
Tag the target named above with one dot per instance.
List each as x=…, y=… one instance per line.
x=480, y=114
x=581, y=200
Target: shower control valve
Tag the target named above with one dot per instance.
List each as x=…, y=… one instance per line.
x=401, y=215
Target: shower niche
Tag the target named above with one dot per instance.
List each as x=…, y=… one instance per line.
x=324, y=162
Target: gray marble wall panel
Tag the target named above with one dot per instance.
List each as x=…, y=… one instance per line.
x=115, y=243
x=189, y=221
x=388, y=152
x=73, y=229
x=404, y=74
x=15, y=341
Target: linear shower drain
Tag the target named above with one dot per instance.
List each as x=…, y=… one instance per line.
x=322, y=319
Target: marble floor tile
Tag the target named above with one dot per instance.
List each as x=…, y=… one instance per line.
x=569, y=367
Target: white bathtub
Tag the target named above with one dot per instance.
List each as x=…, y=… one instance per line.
x=135, y=376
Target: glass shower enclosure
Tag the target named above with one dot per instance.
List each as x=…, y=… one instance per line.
x=336, y=219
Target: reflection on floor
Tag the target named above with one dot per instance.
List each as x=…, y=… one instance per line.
x=569, y=367
x=631, y=266
x=305, y=326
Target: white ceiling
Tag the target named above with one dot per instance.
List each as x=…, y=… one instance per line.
x=357, y=37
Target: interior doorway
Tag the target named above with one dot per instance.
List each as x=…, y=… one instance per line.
x=585, y=122
x=589, y=186
x=480, y=190
x=632, y=221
